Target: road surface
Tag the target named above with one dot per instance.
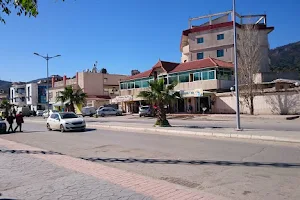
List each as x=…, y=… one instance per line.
x=229, y=168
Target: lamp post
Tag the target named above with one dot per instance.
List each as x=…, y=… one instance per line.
x=47, y=58
x=238, y=122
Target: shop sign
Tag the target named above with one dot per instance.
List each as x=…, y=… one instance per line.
x=122, y=98
x=191, y=93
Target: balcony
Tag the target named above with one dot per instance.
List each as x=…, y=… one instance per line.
x=205, y=85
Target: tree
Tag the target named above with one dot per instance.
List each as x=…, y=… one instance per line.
x=103, y=71
x=74, y=96
x=249, y=60
x=26, y=7
x=5, y=105
x=160, y=95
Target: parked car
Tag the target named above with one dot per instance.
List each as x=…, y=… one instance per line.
x=108, y=111
x=39, y=113
x=46, y=114
x=146, y=111
x=2, y=126
x=65, y=121
x=88, y=111
x=25, y=111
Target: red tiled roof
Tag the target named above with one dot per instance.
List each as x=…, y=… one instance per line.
x=200, y=64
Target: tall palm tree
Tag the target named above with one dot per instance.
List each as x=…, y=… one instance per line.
x=74, y=96
x=160, y=95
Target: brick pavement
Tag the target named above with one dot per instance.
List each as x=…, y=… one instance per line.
x=38, y=174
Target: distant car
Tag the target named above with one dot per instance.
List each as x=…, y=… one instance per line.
x=46, y=114
x=146, y=111
x=39, y=113
x=2, y=126
x=108, y=111
x=65, y=121
x=88, y=111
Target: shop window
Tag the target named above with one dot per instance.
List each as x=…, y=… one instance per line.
x=145, y=83
x=130, y=85
x=211, y=75
x=204, y=75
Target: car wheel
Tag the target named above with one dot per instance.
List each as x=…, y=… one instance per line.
x=48, y=127
x=140, y=115
x=83, y=130
x=102, y=114
x=62, y=129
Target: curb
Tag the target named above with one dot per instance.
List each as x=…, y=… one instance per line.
x=205, y=134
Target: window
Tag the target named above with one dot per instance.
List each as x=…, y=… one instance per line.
x=220, y=36
x=204, y=75
x=184, y=78
x=220, y=53
x=211, y=75
x=200, y=56
x=200, y=40
x=123, y=86
x=173, y=79
x=137, y=84
x=224, y=74
x=145, y=83
x=130, y=85
x=105, y=80
x=197, y=76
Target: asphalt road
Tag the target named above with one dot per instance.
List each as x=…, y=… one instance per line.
x=266, y=124
x=231, y=168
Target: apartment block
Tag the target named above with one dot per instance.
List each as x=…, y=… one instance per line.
x=32, y=95
x=197, y=81
x=99, y=87
x=215, y=37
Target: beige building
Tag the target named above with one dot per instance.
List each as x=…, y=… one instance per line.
x=197, y=82
x=215, y=39
x=99, y=87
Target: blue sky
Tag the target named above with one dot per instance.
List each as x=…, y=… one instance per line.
x=121, y=35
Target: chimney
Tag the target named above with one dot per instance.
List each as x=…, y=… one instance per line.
x=53, y=80
x=65, y=80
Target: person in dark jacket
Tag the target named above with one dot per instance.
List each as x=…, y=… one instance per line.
x=20, y=121
x=10, y=119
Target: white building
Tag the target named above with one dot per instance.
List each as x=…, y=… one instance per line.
x=32, y=95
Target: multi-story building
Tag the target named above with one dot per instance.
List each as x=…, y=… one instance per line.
x=197, y=81
x=32, y=95
x=215, y=38
x=99, y=87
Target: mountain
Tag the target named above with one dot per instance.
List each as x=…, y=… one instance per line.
x=286, y=58
x=5, y=85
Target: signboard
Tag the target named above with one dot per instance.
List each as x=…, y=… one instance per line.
x=122, y=98
x=42, y=94
x=191, y=93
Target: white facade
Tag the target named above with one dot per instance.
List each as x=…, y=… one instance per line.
x=22, y=94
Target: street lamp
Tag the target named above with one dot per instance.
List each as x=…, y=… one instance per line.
x=47, y=58
x=238, y=122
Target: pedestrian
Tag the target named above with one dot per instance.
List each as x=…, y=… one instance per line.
x=20, y=121
x=10, y=120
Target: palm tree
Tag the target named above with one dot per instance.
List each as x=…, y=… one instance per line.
x=74, y=96
x=160, y=95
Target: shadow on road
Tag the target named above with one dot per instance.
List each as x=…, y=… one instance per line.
x=165, y=161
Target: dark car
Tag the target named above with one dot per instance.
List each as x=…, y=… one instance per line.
x=2, y=126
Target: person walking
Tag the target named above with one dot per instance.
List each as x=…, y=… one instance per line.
x=10, y=120
x=20, y=121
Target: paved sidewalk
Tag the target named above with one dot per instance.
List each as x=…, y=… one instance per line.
x=31, y=173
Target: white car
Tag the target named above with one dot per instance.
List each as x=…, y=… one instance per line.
x=39, y=113
x=65, y=121
x=108, y=111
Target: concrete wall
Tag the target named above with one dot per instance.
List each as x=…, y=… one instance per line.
x=270, y=103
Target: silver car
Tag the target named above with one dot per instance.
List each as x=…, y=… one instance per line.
x=145, y=111
x=108, y=111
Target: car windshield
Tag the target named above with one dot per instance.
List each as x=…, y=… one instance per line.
x=68, y=115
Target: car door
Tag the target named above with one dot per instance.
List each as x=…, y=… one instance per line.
x=56, y=121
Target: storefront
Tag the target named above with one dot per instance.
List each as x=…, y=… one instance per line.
x=194, y=101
